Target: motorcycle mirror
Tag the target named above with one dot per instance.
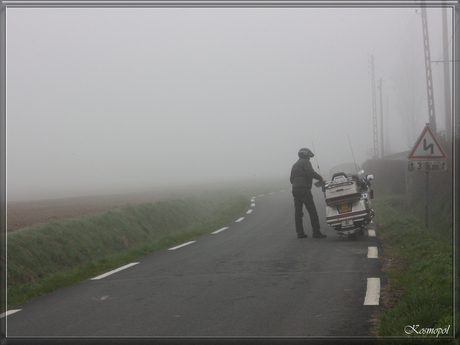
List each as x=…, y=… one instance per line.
x=370, y=177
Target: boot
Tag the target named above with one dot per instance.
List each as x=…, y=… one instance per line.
x=318, y=234
x=301, y=235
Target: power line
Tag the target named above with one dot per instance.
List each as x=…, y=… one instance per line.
x=395, y=42
x=441, y=59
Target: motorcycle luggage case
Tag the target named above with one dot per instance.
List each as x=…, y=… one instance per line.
x=343, y=189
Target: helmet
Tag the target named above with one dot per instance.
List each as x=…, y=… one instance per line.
x=305, y=153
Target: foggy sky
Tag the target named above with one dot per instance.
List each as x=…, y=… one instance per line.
x=107, y=99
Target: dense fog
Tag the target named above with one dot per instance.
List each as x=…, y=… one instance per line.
x=108, y=100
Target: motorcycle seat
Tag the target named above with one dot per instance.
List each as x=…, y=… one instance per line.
x=339, y=174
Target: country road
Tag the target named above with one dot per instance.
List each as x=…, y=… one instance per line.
x=251, y=278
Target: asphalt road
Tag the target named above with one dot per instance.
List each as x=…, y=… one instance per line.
x=252, y=279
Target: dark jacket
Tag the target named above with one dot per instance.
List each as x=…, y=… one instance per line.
x=302, y=174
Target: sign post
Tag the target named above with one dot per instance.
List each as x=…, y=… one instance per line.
x=427, y=155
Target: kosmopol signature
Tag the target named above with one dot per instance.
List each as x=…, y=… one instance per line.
x=426, y=331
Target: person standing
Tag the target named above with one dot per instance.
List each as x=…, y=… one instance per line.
x=302, y=175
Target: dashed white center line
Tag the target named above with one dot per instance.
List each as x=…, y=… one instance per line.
x=103, y=298
x=9, y=312
x=220, y=230
x=249, y=211
x=239, y=220
x=372, y=253
x=373, y=291
x=252, y=205
x=115, y=271
x=181, y=245
x=371, y=232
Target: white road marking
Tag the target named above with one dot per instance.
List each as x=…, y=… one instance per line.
x=103, y=298
x=115, y=271
x=9, y=312
x=181, y=245
x=372, y=253
x=239, y=220
x=249, y=211
x=373, y=291
x=371, y=232
x=252, y=205
x=220, y=230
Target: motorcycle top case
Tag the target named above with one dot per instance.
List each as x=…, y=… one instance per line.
x=342, y=189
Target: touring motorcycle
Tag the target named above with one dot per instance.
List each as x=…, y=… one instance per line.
x=348, y=199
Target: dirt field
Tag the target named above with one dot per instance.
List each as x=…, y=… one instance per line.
x=24, y=214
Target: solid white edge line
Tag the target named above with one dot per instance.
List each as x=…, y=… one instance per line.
x=372, y=253
x=182, y=245
x=9, y=312
x=217, y=231
x=371, y=232
x=239, y=220
x=115, y=271
x=249, y=211
x=372, y=292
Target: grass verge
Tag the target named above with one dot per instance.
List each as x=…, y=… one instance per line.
x=418, y=263
x=53, y=255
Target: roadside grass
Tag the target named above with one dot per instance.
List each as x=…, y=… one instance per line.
x=53, y=255
x=418, y=263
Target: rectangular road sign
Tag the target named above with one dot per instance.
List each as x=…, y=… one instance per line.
x=427, y=165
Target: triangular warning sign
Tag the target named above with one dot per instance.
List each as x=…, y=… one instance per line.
x=426, y=146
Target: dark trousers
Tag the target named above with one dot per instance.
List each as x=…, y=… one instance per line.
x=303, y=196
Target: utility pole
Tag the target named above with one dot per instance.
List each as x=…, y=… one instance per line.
x=374, y=110
x=381, y=120
x=429, y=79
x=387, y=126
x=447, y=100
